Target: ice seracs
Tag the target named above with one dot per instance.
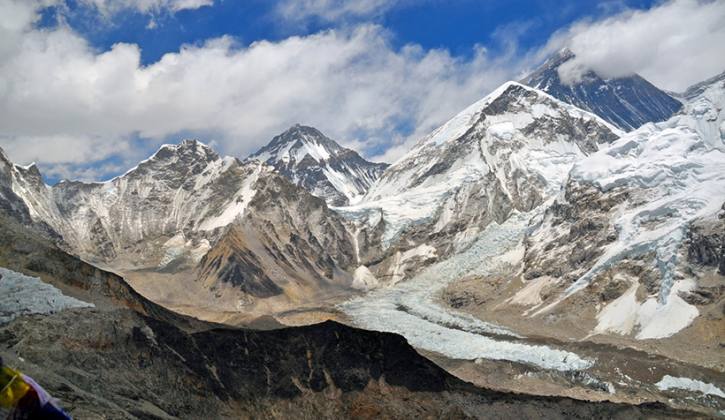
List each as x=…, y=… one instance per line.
x=640, y=197
x=410, y=308
x=24, y=295
x=671, y=382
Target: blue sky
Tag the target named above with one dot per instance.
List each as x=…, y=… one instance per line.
x=90, y=87
x=456, y=25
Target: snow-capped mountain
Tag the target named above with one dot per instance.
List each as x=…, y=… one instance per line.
x=321, y=166
x=642, y=223
x=185, y=202
x=184, y=189
x=10, y=203
x=508, y=152
x=627, y=102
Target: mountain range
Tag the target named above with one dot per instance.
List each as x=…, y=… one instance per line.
x=541, y=217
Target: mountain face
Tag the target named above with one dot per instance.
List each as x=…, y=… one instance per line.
x=181, y=211
x=288, y=245
x=106, y=352
x=544, y=218
x=507, y=153
x=626, y=102
x=181, y=190
x=643, y=223
x=321, y=166
x=10, y=203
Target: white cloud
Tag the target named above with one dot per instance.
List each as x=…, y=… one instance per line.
x=673, y=45
x=333, y=10
x=67, y=105
x=56, y=89
x=110, y=7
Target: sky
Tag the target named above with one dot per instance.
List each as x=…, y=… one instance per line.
x=90, y=87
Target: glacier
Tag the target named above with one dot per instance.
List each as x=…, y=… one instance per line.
x=25, y=295
x=409, y=308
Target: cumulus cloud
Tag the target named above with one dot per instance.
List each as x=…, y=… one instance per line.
x=673, y=45
x=86, y=113
x=57, y=90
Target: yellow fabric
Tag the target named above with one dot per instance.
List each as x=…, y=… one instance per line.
x=12, y=387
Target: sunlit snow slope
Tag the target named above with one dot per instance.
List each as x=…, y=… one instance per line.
x=650, y=187
x=508, y=152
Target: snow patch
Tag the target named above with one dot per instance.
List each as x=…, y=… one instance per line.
x=236, y=209
x=660, y=320
x=671, y=382
x=653, y=318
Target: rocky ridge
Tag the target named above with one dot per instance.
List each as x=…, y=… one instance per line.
x=127, y=357
x=641, y=220
x=181, y=211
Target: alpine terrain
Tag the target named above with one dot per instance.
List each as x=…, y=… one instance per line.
x=224, y=233
x=626, y=102
x=320, y=165
x=556, y=250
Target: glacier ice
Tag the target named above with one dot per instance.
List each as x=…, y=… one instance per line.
x=672, y=382
x=409, y=308
x=25, y=295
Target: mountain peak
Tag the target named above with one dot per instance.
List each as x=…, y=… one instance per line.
x=558, y=58
x=188, y=150
x=317, y=163
x=193, y=146
x=506, y=98
x=4, y=157
x=188, y=156
x=296, y=143
x=627, y=102
x=303, y=129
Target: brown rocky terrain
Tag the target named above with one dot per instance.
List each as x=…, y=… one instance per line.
x=130, y=358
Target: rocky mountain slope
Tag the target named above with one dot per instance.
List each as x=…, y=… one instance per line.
x=525, y=210
x=237, y=231
x=642, y=221
x=122, y=356
x=627, y=102
x=507, y=153
x=321, y=166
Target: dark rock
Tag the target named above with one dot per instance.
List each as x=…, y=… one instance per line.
x=627, y=102
x=706, y=243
